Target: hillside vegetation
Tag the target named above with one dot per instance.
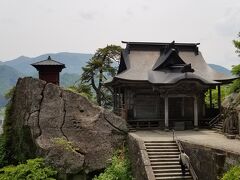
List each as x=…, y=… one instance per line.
x=11, y=70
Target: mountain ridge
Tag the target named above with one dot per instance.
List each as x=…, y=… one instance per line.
x=73, y=62
x=11, y=70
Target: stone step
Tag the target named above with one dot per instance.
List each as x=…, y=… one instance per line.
x=160, y=142
x=218, y=126
x=162, y=150
x=162, y=147
x=216, y=129
x=171, y=174
x=165, y=163
x=163, y=156
x=164, y=159
x=163, y=153
x=174, y=178
x=168, y=170
x=166, y=167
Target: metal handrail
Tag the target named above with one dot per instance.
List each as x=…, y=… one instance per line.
x=214, y=120
x=192, y=172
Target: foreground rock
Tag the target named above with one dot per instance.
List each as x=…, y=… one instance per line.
x=72, y=133
x=231, y=114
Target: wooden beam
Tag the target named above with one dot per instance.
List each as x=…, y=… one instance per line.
x=195, y=113
x=219, y=98
x=166, y=113
x=183, y=108
x=210, y=98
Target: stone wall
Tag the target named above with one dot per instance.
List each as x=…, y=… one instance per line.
x=141, y=166
x=209, y=163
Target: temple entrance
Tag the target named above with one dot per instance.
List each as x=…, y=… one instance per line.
x=181, y=112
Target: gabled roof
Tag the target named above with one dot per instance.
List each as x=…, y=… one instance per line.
x=122, y=66
x=167, y=59
x=158, y=43
x=151, y=62
x=48, y=62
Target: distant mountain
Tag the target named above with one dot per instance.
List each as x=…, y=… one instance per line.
x=11, y=70
x=3, y=101
x=220, y=69
x=73, y=62
x=68, y=79
x=8, y=77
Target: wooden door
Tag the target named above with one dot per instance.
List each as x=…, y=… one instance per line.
x=148, y=107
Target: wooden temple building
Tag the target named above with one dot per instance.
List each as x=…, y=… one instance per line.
x=49, y=70
x=163, y=85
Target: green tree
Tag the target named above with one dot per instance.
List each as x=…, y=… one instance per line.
x=235, y=87
x=237, y=44
x=99, y=68
x=82, y=89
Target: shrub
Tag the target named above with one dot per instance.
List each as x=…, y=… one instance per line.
x=232, y=174
x=119, y=168
x=34, y=169
x=235, y=87
x=63, y=143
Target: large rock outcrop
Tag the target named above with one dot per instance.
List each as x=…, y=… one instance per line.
x=73, y=134
x=231, y=114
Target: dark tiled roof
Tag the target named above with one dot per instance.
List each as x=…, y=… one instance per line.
x=159, y=43
x=48, y=62
x=142, y=65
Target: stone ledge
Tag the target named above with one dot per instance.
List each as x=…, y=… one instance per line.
x=140, y=162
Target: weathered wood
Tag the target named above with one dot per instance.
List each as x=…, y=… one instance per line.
x=166, y=112
x=195, y=112
x=219, y=97
x=210, y=97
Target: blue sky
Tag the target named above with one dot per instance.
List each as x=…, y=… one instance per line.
x=34, y=27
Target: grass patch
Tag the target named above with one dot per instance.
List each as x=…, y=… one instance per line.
x=232, y=174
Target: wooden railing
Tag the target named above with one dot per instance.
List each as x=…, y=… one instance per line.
x=192, y=172
x=215, y=120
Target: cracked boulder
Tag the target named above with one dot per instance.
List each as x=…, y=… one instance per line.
x=73, y=134
x=231, y=114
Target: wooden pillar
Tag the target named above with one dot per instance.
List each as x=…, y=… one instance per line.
x=166, y=113
x=219, y=98
x=195, y=113
x=204, y=108
x=183, y=110
x=210, y=98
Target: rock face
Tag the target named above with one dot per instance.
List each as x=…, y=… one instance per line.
x=231, y=114
x=209, y=163
x=73, y=134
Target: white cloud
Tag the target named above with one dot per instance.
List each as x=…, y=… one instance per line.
x=33, y=27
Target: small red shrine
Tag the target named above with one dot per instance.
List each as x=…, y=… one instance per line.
x=49, y=70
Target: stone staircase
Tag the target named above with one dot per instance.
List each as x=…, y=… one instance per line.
x=164, y=158
x=218, y=126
